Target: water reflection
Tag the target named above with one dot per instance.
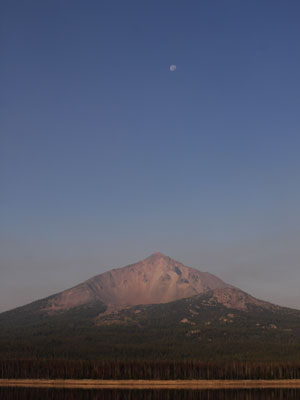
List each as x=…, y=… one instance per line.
x=114, y=394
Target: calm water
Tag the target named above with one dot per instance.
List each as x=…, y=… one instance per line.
x=107, y=394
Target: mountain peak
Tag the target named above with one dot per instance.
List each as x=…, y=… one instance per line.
x=157, y=255
x=156, y=279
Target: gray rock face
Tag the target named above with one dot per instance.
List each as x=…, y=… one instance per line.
x=157, y=279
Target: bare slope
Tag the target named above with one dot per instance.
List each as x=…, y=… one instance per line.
x=155, y=309
x=157, y=279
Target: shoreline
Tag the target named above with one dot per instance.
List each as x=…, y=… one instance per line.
x=151, y=384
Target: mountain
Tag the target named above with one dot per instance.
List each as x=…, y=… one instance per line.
x=157, y=279
x=157, y=308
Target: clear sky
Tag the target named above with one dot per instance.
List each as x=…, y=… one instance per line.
x=107, y=156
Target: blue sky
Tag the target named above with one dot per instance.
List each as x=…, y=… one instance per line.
x=107, y=156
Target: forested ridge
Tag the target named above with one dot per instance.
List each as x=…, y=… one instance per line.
x=181, y=330
x=188, y=329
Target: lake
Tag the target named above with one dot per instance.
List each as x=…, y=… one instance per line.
x=11, y=393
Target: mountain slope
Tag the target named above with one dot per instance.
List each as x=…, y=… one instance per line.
x=157, y=279
x=199, y=327
x=155, y=309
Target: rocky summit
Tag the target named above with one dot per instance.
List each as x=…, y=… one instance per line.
x=156, y=279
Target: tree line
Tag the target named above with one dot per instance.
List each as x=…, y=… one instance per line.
x=149, y=394
x=101, y=369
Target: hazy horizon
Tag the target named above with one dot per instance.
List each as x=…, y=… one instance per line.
x=41, y=292
x=131, y=127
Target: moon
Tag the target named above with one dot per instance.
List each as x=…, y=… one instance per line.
x=173, y=68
